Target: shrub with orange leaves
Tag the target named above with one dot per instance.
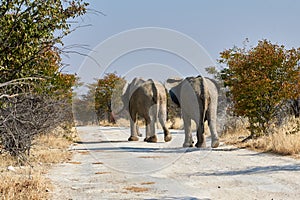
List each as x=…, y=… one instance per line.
x=260, y=79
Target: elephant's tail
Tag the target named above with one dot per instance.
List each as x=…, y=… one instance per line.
x=155, y=99
x=205, y=97
x=155, y=93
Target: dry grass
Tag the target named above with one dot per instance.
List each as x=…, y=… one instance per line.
x=122, y=122
x=284, y=140
x=176, y=123
x=27, y=181
x=7, y=160
x=21, y=186
x=50, y=149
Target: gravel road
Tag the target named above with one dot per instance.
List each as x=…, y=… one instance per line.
x=106, y=166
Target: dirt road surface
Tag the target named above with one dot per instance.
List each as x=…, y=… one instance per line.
x=106, y=166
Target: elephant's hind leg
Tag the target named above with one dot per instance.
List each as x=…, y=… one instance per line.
x=168, y=136
x=188, y=140
x=200, y=136
x=213, y=130
x=150, y=129
x=133, y=128
x=162, y=120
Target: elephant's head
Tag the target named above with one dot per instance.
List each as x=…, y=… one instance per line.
x=119, y=99
x=127, y=93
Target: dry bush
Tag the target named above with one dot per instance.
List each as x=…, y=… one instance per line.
x=27, y=182
x=25, y=116
x=234, y=130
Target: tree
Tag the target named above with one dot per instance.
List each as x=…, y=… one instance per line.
x=260, y=79
x=34, y=94
x=31, y=32
x=108, y=90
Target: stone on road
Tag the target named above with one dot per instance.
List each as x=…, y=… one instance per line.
x=106, y=166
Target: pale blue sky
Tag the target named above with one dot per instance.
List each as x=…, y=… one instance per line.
x=214, y=24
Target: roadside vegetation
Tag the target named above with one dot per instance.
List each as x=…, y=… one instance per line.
x=28, y=181
x=262, y=89
x=35, y=95
x=284, y=140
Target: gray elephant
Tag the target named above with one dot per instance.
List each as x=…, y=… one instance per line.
x=198, y=99
x=147, y=99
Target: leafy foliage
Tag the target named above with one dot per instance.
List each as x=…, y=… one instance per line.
x=29, y=32
x=30, y=79
x=108, y=90
x=260, y=79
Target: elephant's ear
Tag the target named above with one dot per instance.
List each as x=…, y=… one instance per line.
x=172, y=82
x=174, y=98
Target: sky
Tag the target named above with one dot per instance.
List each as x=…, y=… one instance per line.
x=165, y=38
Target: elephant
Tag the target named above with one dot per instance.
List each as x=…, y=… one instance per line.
x=198, y=98
x=146, y=99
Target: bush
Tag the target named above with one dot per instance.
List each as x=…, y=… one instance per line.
x=260, y=81
x=24, y=116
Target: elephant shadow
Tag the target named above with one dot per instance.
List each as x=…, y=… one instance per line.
x=131, y=149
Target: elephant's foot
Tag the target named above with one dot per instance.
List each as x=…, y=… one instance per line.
x=215, y=143
x=188, y=144
x=151, y=139
x=140, y=135
x=200, y=141
x=200, y=144
x=133, y=138
x=168, y=137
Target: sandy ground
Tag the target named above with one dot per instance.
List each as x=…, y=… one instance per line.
x=106, y=166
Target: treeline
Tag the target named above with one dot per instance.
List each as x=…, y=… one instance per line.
x=35, y=97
